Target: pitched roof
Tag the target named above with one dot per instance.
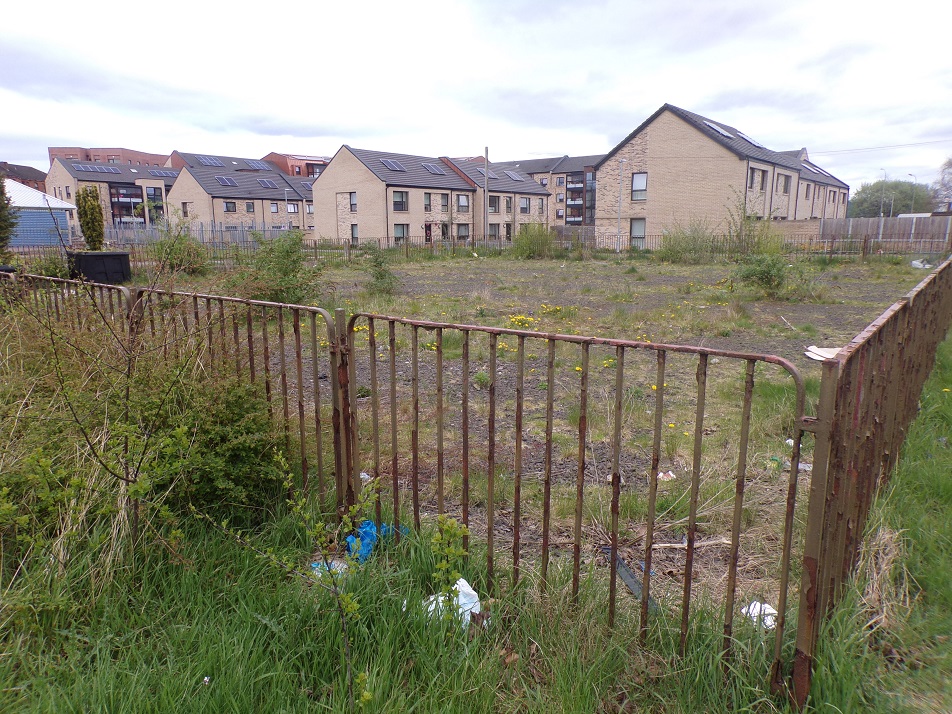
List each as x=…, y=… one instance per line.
x=27, y=173
x=249, y=184
x=742, y=145
x=25, y=197
x=502, y=178
x=415, y=175
x=556, y=164
x=225, y=163
x=116, y=173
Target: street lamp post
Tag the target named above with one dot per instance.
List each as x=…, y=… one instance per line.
x=621, y=169
x=912, y=208
x=882, y=200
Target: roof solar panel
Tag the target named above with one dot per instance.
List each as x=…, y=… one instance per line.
x=434, y=169
x=307, y=184
x=258, y=165
x=718, y=129
x=163, y=172
x=210, y=161
x=514, y=176
x=226, y=181
x=393, y=164
x=749, y=140
x=491, y=174
x=267, y=183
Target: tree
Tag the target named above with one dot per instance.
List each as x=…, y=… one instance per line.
x=90, y=217
x=8, y=222
x=890, y=198
x=943, y=186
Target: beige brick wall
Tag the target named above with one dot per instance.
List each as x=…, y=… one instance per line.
x=332, y=214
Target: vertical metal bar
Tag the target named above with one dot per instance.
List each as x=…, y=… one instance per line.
x=267, y=359
x=315, y=370
x=740, y=483
x=375, y=412
x=695, y=487
x=351, y=481
x=652, y=492
x=284, y=380
x=810, y=602
x=580, y=473
x=491, y=461
x=236, y=340
x=439, y=421
x=221, y=333
x=302, y=431
x=249, y=325
x=517, y=486
x=616, y=481
x=547, y=476
x=415, y=428
x=209, y=333
x=394, y=471
x=464, y=418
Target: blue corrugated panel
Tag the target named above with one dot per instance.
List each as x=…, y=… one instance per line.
x=36, y=227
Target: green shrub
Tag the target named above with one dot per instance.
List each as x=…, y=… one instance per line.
x=383, y=281
x=52, y=264
x=532, y=242
x=691, y=245
x=89, y=210
x=766, y=272
x=179, y=252
x=278, y=272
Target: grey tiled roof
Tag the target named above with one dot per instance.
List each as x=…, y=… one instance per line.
x=735, y=143
x=248, y=186
x=118, y=173
x=415, y=176
x=556, y=164
x=27, y=173
x=502, y=183
x=230, y=163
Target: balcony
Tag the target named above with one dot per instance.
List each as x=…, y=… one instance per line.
x=574, y=202
x=573, y=219
x=576, y=184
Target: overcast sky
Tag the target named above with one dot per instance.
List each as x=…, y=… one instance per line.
x=866, y=88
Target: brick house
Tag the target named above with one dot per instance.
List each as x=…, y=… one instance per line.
x=678, y=167
x=571, y=182
x=230, y=193
x=373, y=195
x=124, y=191
x=298, y=164
x=26, y=175
x=129, y=157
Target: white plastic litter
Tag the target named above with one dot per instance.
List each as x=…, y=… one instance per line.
x=789, y=442
x=821, y=353
x=760, y=613
x=364, y=477
x=666, y=476
x=467, y=602
x=921, y=264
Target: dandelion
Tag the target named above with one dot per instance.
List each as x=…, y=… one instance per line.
x=671, y=425
x=945, y=390
x=686, y=433
x=578, y=369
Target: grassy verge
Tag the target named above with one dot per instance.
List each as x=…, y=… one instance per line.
x=888, y=648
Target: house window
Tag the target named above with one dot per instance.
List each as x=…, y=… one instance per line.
x=494, y=204
x=637, y=233
x=560, y=197
x=400, y=232
x=353, y=202
x=297, y=170
x=400, y=200
x=249, y=207
x=309, y=208
x=508, y=204
x=494, y=230
x=524, y=205
x=292, y=207
x=274, y=206
x=560, y=213
x=806, y=191
x=843, y=198
x=462, y=230
x=444, y=202
x=67, y=192
x=445, y=231
x=112, y=159
x=462, y=203
x=184, y=209
x=639, y=187
x=752, y=178
x=541, y=206
x=544, y=180
x=353, y=234
x=560, y=181
x=783, y=183
x=763, y=180
x=427, y=202
x=230, y=207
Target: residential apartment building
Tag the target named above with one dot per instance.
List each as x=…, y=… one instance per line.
x=298, y=164
x=129, y=157
x=26, y=175
x=230, y=193
x=571, y=182
x=678, y=167
x=130, y=195
x=367, y=196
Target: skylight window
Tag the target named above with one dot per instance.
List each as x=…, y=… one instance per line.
x=210, y=161
x=307, y=184
x=393, y=164
x=163, y=172
x=749, y=140
x=226, y=181
x=257, y=165
x=810, y=169
x=491, y=174
x=267, y=183
x=513, y=175
x=434, y=169
x=719, y=130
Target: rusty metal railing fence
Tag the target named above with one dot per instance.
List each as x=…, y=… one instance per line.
x=868, y=398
